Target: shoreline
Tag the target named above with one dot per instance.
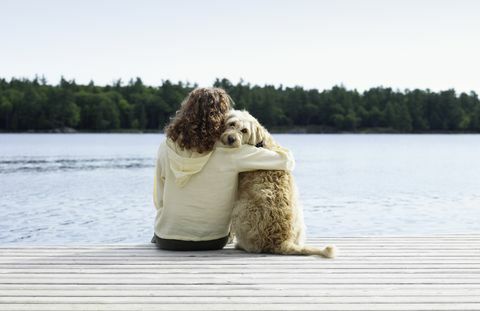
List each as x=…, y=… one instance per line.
x=293, y=131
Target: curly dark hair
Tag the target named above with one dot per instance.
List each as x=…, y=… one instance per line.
x=201, y=119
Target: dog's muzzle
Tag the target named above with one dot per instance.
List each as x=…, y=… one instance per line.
x=231, y=139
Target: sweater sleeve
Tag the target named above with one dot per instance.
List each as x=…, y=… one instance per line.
x=250, y=158
x=159, y=180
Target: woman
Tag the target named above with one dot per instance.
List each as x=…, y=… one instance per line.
x=196, y=178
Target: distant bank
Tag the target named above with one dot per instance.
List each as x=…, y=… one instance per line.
x=35, y=105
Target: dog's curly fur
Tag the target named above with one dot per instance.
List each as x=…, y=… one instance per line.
x=266, y=217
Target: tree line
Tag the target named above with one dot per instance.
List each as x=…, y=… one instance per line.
x=36, y=105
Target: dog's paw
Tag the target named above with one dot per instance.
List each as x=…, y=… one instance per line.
x=330, y=251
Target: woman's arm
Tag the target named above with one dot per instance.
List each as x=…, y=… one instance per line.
x=250, y=158
x=159, y=181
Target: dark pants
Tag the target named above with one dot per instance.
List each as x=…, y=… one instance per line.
x=180, y=245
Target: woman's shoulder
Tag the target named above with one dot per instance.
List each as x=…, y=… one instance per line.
x=162, y=147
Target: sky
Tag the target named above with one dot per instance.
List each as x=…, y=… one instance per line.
x=314, y=44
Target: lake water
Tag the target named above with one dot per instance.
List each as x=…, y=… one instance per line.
x=96, y=188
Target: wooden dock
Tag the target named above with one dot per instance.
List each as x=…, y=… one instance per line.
x=370, y=273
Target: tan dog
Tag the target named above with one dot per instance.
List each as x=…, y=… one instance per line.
x=266, y=217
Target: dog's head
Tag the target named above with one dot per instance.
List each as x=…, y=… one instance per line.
x=242, y=128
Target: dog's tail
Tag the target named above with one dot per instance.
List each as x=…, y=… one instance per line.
x=294, y=249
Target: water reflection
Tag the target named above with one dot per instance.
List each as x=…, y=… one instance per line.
x=40, y=165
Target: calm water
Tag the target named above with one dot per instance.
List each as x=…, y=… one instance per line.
x=96, y=188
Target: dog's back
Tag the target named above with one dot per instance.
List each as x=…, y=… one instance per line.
x=263, y=214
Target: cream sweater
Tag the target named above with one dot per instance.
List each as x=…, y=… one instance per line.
x=194, y=193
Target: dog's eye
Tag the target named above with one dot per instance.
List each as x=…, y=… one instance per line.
x=244, y=131
x=232, y=124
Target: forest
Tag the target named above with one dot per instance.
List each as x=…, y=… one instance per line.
x=35, y=105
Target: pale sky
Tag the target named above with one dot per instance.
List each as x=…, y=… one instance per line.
x=315, y=44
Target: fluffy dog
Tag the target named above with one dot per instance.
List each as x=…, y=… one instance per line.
x=266, y=217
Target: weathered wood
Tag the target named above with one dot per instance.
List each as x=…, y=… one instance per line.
x=371, y=273
x=179, y=291
x=223, y=289
x=241, y=270
x=254, y=306
x=286, y=275
x=215, y=299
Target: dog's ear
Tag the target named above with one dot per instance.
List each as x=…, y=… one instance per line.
x=252, y=140
x=259, y=133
